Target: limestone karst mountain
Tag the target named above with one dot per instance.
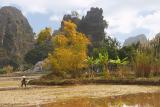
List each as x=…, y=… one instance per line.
x=16, y=35
x=133, y=40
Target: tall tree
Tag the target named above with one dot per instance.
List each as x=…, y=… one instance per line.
x=70, y=51
x=42, y=47
x=44, y=35
x=108, y=45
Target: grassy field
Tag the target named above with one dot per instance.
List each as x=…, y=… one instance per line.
x=9, y=83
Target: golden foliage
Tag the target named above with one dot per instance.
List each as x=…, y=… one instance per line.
x=69, y=27
x=45, y=34
x=70, y=50
x=60, y=40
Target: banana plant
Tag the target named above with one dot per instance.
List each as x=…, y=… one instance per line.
x=103, y=60
x=91, y=62
x=118, y=61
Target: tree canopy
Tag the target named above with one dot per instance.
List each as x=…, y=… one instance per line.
x=70, y=50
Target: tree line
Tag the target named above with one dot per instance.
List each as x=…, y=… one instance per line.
x=81, y=47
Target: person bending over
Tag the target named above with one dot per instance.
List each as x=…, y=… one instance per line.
x=23, y=81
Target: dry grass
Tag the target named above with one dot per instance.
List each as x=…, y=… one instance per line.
x=9, y=83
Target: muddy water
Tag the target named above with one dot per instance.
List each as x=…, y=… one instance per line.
x=132, y=100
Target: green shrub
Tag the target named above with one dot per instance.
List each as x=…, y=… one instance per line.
x=2, y=71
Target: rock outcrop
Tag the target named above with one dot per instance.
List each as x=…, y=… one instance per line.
x=157, y=35
x=38, y=67
x=133, y=40
x=16, y=35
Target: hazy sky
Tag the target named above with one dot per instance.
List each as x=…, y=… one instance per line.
x=125, y=17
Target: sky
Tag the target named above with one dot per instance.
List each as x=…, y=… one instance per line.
x=126, y=18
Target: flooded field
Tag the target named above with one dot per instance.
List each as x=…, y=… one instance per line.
x=132, y=100
x=78, y=96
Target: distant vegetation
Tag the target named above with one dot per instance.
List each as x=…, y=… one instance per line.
x=81, y=48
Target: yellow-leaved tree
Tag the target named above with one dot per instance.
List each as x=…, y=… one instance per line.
x=70, y=51
x=44, y=35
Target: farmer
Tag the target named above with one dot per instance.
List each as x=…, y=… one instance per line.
x=23, y=82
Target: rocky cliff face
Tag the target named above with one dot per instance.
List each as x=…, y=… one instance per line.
x=16, y=35
x=133, y=40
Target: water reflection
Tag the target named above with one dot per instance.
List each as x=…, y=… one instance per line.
x=136, y=100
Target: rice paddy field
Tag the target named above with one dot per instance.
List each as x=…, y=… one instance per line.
x=11, y=94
